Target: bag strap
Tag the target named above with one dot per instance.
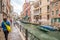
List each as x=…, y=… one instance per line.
x=5, y=23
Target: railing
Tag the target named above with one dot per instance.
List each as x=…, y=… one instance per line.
x=32, y=37
x=28, y=35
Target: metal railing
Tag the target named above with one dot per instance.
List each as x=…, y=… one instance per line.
x=28, y=35
x=32, y=37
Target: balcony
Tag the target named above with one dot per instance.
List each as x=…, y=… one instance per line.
x=36, y=12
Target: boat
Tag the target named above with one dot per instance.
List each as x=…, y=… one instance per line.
x=48, y=28
x=43, y=29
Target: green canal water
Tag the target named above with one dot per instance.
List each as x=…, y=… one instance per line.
x=40, y=34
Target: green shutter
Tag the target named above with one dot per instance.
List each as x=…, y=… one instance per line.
x=59, y=19
x=55, y=20
x=57, y=11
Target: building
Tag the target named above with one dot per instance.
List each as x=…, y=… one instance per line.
x=26, y=10
x=0, y=12
x=8, y=8
x=3, y=4
x=40, y=11
x=11, y=13
x=34, y=13
x=5, y=9
x=44, y=12
x=55, y=13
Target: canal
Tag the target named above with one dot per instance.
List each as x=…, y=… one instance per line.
x=40, y=34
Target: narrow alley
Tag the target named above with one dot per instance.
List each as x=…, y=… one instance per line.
x=30, y=19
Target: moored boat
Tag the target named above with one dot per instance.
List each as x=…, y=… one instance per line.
x=49, y=28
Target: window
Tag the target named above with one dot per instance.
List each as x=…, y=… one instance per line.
x=52, y=20
x=57, y=11
x=56, y=4
x=47, y=0
x=48, y=17
x=58, y=19
x=40, y=2
x=40, y=17
x=52, y=4
x=55, y=20
x=34, y=17
x=26, y=13
x=52, y=12
x=48, y=8
x=40, y=10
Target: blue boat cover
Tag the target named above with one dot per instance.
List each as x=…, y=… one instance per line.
x=48, y=27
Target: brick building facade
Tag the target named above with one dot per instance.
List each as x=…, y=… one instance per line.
x=55, y=13
x=26, y=10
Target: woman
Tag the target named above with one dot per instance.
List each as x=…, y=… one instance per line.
x=4, y=27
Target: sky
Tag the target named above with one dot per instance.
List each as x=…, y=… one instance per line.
x=17, y=5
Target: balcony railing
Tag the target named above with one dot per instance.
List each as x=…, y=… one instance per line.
x=36, y=12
